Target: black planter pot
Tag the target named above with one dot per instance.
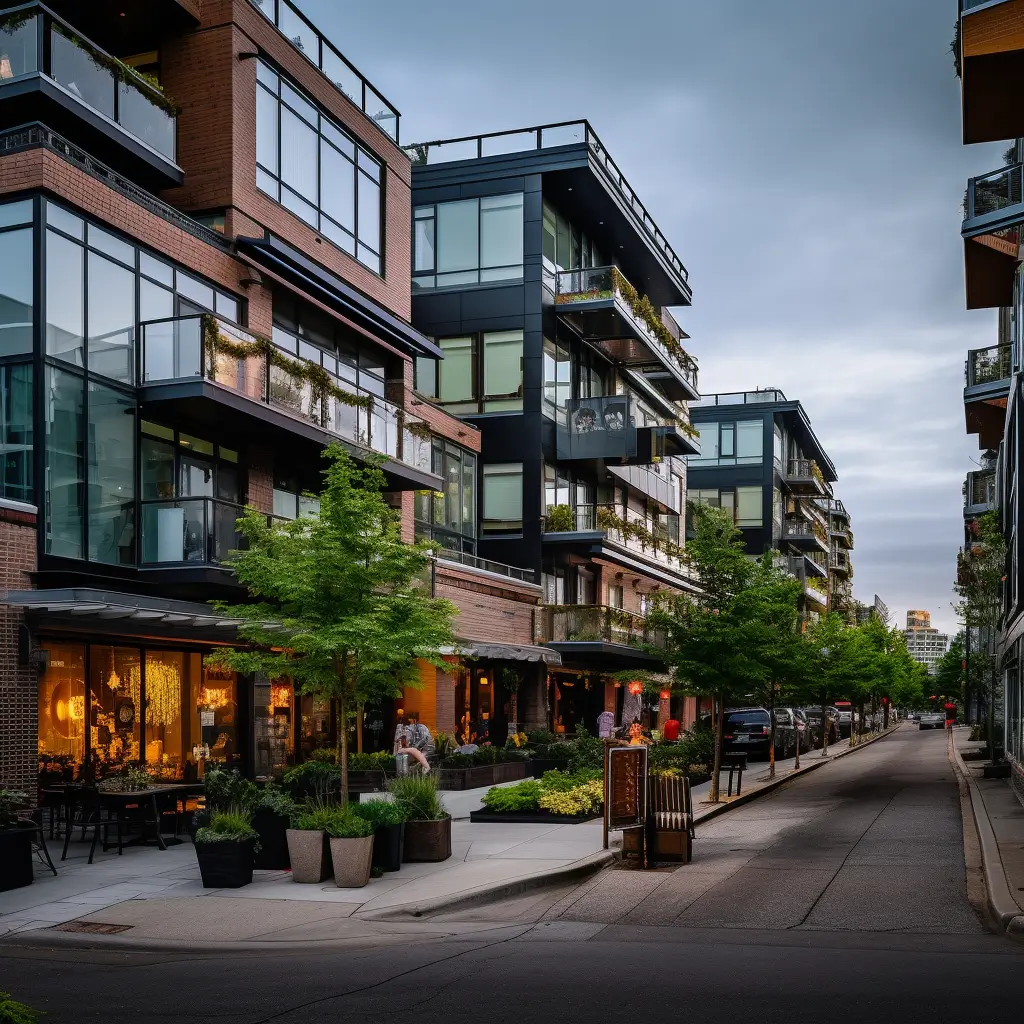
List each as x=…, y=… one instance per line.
x=225, y=865
x=16, y=856
x=388, y=847
x=272, y=828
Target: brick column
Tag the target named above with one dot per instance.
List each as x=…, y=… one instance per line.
x=445, y=702
x=664, y=712
x=261, y=479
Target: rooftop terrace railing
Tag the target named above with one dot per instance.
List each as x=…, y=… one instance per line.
x=740, y=398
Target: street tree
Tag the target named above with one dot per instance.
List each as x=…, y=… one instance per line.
x=339, y=603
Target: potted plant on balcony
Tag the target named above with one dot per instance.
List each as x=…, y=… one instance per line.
x=307, y=844
x=226, y=850
x=388, y=820
x=428, y=826
x=15, y=841
x=351, y=842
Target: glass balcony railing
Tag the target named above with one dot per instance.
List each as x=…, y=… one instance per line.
x=190, y=531
x=990, y=193
x=797, y=529
x=582, y=623
x=980, y=491
x=315, y=47
x=575, y=288
x=987, y=365
x=35, y=41
x=205, y=347
x=740, y=398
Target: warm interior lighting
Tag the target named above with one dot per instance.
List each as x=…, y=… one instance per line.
x=483, y=681
x=280, y=695
x=210, y=697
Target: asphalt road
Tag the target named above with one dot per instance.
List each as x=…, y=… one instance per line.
x=840, y=898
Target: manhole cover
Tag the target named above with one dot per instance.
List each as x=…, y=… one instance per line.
x=92, y=927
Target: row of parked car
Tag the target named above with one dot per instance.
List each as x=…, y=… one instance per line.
x=749, y=730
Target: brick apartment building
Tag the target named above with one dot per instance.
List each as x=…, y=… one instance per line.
x=205, y=253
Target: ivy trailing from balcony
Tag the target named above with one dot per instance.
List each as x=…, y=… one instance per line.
x=420, y=430
x=645, y=310
x=299, y=371
x=818, y=475
x=13, y=22
x=687, y=428
x=608, y=520
x=124, y=73
x=818, y=584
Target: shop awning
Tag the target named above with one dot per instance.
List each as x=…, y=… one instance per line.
x=505, y=652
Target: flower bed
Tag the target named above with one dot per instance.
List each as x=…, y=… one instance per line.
x=557, y=798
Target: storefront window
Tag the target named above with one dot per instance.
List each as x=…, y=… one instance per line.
x=273, y=726
x=62, y=706
x=115, y=696
x=316, y=725
x=65, y=463
x=111, y=476
x=213, y=732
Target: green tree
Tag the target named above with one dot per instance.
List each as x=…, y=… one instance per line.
x=339, y=602
x=720, y=641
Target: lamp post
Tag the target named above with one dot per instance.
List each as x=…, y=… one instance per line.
x=824, y=715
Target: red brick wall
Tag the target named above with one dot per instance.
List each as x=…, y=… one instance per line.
x=445, y=702
x=19, y=708
x=489, y=610
x=261, y=480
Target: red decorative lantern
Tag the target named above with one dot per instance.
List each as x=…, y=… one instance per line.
x=665, y=695
x=636, y=688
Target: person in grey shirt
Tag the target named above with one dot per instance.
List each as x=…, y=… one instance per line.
x=414, y=740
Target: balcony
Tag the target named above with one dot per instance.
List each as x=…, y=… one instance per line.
x=49, y=71
x=315, y=47
x=205, y=357
x=190, y=532
x=803, y=476
x=990, y=52
x=609, y=314
x=806, y=534
x=656, y=482
x=839, y=562
x=993, y=213
x=594, y=624
x=980, y=493
x=987, y=377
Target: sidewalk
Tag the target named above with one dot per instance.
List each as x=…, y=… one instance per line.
x=153, y=895
x=999, y=817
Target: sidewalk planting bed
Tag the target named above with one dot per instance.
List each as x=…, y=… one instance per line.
x=559, y=798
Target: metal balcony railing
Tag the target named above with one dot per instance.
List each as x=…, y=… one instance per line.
x=34, y=41
x=577, y=623
x=980, y=490
x=986, y=365
x=740, y=398
x=797, y=528
x=995, y=191
x=179, y=349
x=190, y=531
x=315, y=47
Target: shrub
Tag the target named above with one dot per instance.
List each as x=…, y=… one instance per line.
x=11, y=801
x=380, y=761
x=524, y=796
x=344, y=824
x=224, y=788
x=445, y=745
x=540, y=737
x=554, y=752
x=273, y=798
x=418, y=797
x=587, y=752
x=231, y=826
x=562, y=782
x=315, y=817
x=584, y=799
x=380, y=812
x=13, y=1012
x=318, y=775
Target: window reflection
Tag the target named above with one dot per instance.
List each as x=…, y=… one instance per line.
x=274, y=726
x=62, y=706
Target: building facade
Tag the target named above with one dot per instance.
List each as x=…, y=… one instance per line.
x=761, y=461
x=547, y=286
x=205, y=277
x=925, y=643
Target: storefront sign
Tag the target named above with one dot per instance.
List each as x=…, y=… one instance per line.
x=626, y=787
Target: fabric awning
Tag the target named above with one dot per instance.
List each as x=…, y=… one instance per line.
x=505, y=652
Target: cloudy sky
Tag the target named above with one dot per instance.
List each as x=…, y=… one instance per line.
x=804, y=158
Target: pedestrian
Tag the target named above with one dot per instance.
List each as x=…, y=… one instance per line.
x=410, y=740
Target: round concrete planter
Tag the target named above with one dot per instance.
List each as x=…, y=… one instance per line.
x=309, y=856
x=352, y=858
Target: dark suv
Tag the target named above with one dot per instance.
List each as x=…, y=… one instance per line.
x=813, y=716
x=749, y=731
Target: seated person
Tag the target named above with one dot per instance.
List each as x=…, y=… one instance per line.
x=404, y=745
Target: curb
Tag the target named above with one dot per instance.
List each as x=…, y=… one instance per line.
x=770, y=787
x=1002, y=907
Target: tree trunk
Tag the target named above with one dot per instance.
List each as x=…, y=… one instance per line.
x=343, y=742
x=718, y=710
x=771, y=737
x=991, y=711
x=885, y=715
x=359, y=727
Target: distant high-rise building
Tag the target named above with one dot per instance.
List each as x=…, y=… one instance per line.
x=879, y=609
x=925, y=644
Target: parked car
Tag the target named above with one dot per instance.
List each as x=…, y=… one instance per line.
x=845, y=721
x=814, y=717
x=798, y=719
x=932, y=720
x=748, y=730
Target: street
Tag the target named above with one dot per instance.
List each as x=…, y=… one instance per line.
x=840, y=897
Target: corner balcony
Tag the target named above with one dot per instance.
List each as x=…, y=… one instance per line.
x=990, y=55
x=993, y=213
x=606, y=428
x=618, y=637
x=987, y=377
x=839, y=562
x=806, y=534
x=205, y=366
x=802, y=476
x=611, y=316
x=980, y=493
x=49, y=71
x=656, y=482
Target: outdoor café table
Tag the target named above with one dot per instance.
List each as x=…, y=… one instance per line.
x=118, y=803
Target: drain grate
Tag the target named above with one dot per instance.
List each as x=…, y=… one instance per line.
x=93, y=927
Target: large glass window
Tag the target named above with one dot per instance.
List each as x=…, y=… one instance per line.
x=115, y=693
x=314, y=168
x=748, y=506
x=468, y=242
x=503, y=498
x=456, y=374
x=16, y=279
x=16, y=433
x=65, y=299
x=111, y=476
x=111, y=319
x=62, y=718
x=557, y=380
x=503, y=371
x=449, y=516
x=466, y=384
x=65, y=463
x=731, y=443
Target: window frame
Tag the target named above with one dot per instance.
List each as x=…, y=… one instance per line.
x=479, y=402
x=508, y=526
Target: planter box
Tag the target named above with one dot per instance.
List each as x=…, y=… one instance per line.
x=351, y=859
x=310, y=856
x=16, y=856
x=388, y=845
x=370, y=780
x=273, y=832
x=225, y=865
x=482, y=775
x=667, y=845
x=529, y=817
x=428, y=840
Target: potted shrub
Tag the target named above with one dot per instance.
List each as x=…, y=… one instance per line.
x=318, y=779
x=271, y=818
x=351, y=840
x=428, y=826
x=388, y=820
x=307, y=844
x=15, y=841
x=226, y=849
